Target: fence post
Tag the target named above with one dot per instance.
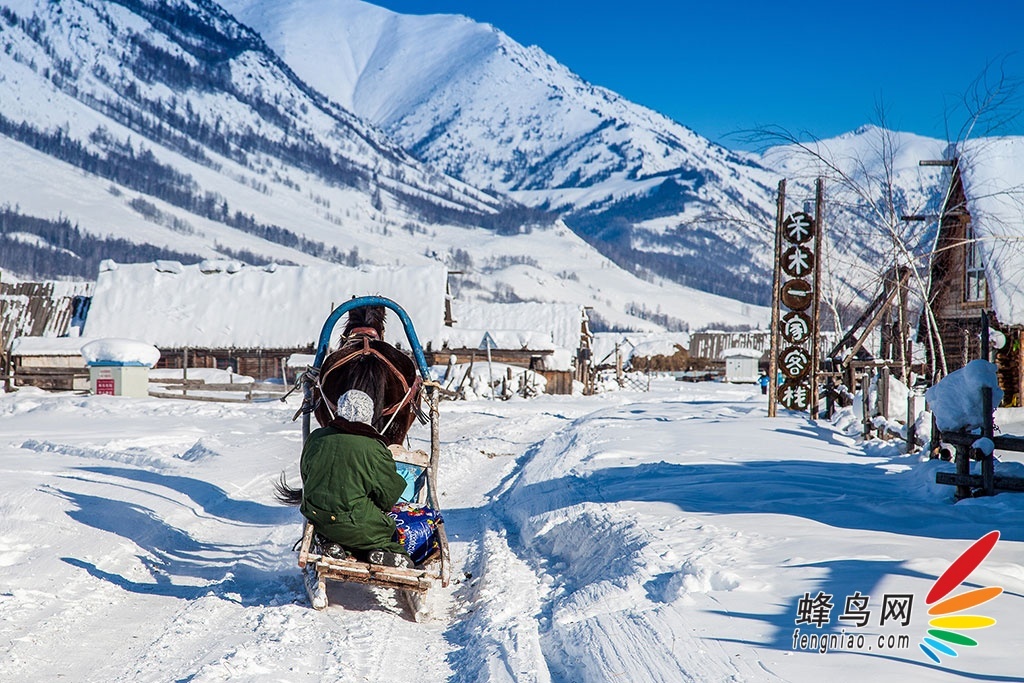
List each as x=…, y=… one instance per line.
x=830, y=397
x=988, y=473
x=883, y=398
x=865, y=386
x=911, y=421
x=963, y=471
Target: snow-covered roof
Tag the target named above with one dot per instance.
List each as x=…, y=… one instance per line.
x=736, y=351
x=533, y=325
x=648, y=343
x=48, y=346
x=224, y=304
x=992, y=171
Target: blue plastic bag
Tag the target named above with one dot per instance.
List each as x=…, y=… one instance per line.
x=416, y=529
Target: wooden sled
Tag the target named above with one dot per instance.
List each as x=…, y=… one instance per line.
x=413, y=582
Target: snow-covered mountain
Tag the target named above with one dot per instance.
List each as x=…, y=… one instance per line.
x=187, y=76
x=170, y=130
x=649, y=192
x=873, y=180
x=477, y=104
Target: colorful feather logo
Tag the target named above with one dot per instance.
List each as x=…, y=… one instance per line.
x=947, y=619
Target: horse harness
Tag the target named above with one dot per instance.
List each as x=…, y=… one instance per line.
x=365, y=349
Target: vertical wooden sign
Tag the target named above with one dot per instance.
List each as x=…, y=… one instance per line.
x=794, y=353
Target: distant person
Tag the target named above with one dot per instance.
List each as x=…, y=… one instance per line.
x=349, y=484
x=763, y=380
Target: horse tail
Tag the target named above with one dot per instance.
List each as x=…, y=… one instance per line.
x=285, y=494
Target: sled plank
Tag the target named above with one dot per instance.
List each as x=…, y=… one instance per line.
x=363, y=572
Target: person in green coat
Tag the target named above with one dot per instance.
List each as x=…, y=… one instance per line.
x=349, y=484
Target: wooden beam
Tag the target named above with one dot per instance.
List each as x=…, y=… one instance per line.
x=773, y=363
x=976, y=481
x=1002, y=442
x=883, y=309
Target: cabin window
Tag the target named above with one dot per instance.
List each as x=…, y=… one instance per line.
x=975, y=288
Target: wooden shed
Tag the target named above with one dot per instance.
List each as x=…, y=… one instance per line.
x=978, y=262
x=54, y=363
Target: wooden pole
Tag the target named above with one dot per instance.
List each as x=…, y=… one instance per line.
x=963, y=471
x=773, y=362
x=618, y=367
x=490, y=372
x=985, y=344
x=911, y=420
x=819, y=218
x=883, y=396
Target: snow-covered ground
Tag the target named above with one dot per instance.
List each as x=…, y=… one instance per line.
x=671, y=535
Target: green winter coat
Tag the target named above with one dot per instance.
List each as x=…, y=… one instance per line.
x=348, y=483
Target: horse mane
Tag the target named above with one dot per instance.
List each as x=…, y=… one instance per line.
x=365, y=321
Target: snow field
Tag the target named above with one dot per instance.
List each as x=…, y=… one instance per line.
x=661, y=536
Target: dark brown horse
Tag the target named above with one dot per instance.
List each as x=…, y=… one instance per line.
x=366, y=362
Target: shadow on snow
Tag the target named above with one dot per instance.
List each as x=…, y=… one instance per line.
x=179, y=565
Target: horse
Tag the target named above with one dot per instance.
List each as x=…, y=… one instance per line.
x=366, y=362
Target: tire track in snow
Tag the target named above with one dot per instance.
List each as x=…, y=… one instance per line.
x=496, y=619
x=619, y=592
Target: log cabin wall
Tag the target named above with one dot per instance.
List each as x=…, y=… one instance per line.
x=260, y=364
x=957, y=302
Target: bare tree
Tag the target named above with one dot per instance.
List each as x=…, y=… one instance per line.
x=866, y=190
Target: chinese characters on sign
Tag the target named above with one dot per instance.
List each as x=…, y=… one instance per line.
x=796, y=327
x=798, y=228
x=795, y=358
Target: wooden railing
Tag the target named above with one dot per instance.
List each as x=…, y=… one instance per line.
x=966, y=451
x=251, y=390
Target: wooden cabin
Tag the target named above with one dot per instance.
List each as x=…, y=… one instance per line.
x=42, y=311
x=53, y=363
x=711, y=345
x=252, y=319
x=552, y=339
x=978, y=263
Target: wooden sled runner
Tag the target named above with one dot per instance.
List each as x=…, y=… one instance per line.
x=319, y=568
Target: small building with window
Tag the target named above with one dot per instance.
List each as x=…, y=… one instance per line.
x=977, y=265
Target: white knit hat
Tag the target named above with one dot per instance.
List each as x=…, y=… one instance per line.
x=355, y=406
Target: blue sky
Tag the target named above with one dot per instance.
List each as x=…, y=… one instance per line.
x=820, y=68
